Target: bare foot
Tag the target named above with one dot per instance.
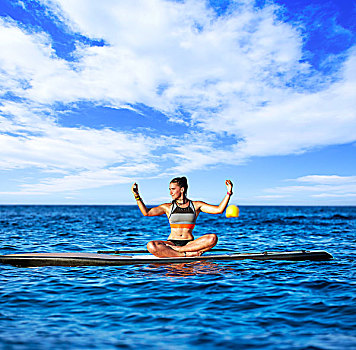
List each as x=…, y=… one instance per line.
x=176, y=248
x=198, y=253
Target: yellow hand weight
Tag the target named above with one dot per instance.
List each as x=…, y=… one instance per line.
x=232, y=211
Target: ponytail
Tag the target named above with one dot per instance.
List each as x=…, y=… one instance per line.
x=182, y=182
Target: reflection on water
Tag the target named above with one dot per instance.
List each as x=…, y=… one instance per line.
x=193, y=269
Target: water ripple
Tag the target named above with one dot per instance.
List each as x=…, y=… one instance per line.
x=268, y=305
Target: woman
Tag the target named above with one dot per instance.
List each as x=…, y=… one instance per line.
x=182, y=214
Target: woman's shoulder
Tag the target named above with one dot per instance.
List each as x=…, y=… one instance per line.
x=166, y=206
x=198, y=204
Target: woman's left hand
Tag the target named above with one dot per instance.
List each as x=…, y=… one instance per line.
x=134, y=189
x=229, y=185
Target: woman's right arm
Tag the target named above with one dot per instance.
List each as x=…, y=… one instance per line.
x=160, y=210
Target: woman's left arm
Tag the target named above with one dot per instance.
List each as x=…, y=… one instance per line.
x=218, y=209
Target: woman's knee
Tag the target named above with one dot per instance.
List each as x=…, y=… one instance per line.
x=213, y=239
x=152, y=246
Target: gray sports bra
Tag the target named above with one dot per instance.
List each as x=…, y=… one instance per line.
x=182, y=217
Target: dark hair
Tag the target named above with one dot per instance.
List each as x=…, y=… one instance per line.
x=182, y=182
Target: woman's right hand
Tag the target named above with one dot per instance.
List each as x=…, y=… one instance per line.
x=134, y=188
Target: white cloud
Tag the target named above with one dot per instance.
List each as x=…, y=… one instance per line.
x=227, y=74
x=272, y=196
x=87, y=179
x=237, y=65
x=74, y=158
x=318, y=186
x=331, y=195
x=327, y=179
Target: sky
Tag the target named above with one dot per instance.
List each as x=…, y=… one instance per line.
x=96, y=95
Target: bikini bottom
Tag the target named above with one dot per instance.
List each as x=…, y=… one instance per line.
x=180, y=242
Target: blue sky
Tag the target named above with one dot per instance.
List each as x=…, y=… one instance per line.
x=97, y=95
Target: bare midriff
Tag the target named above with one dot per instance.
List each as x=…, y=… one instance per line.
x=181, y=234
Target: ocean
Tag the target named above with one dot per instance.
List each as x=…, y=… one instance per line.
x=246, y=304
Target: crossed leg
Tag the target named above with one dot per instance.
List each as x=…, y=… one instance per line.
x=166, y=249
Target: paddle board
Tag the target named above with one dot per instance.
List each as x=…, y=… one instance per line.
x=91, y=259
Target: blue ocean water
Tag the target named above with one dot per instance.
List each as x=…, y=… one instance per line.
x=210, y=305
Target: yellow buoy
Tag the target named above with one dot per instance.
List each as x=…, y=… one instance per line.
x=232, y=211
